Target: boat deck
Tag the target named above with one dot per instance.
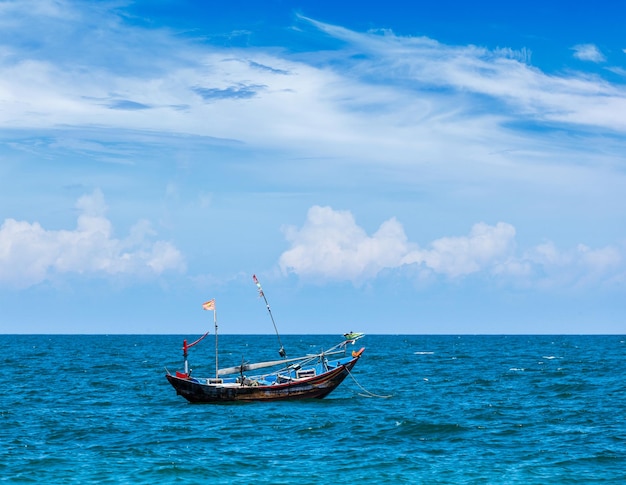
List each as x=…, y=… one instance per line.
x=281, y=377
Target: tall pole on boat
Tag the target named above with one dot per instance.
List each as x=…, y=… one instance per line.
x=215, y=323
x=281, y=351
x=210, y=305
x=185, y=347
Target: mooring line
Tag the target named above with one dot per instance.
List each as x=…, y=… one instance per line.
x=368, y=393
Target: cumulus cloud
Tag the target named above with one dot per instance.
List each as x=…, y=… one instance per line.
x=578, y=266
x=31, y=254
x=588, y=52
x=484, y=247
x=332, y=246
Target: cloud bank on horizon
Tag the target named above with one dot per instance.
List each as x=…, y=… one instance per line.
x=31, y=254
x=347, y=132
x=329, y=246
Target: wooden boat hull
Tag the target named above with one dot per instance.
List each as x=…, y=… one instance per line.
x=317, y=387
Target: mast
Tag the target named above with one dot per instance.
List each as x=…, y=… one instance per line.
x=215, y=323
x=281, y=351
x=185, y=347
x=210, y=305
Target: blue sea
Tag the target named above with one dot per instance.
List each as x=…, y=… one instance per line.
x=417, y=410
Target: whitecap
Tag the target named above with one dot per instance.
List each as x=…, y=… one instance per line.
x=423, y=353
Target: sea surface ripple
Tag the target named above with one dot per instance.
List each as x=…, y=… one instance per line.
x=417, y=409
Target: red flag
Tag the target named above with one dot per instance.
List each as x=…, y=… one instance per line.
x=209, y=305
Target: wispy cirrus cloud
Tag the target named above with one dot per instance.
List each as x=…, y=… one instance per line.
x=516, y=87
x=376, y=96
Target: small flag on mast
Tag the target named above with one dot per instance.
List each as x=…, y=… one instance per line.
x=209, y=305
x=258, y=285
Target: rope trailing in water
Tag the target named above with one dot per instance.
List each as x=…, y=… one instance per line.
x=367, y=393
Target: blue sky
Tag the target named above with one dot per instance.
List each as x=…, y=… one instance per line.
x=385, y=167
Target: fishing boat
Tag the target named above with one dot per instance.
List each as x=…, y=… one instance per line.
x=306, y=377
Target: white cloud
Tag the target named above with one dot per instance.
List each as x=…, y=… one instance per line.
x=484, y=247
x=419, y=109
x=413, y=65
x=399, y=79
x=30, y=254
x=588, y=52
x=580, y=266
x=331, y=246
